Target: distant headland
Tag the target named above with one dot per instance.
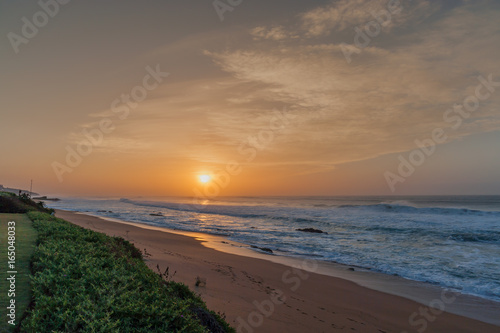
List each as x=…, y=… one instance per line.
x=16, y=190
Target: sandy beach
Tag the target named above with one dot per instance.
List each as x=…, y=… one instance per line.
x=257, y=295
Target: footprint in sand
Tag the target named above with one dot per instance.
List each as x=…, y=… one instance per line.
x=338, y=327
x=298, y=299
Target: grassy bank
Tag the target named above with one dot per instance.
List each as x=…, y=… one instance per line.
x=24, y=246
x=11, y=203
x=84, y=281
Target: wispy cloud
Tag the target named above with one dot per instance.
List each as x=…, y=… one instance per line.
x=396, y=92
x=274, y=33
x=341, y=15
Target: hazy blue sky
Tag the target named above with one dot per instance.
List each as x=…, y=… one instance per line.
x=306, y=97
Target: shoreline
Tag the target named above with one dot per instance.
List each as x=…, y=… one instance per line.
x=237, y=278
x=465, y=305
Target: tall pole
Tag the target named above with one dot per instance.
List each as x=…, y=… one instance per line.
x=31, y=187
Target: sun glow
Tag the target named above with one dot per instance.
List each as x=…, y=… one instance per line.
x=204, y=178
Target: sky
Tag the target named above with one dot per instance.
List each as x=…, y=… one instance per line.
x=282, y=97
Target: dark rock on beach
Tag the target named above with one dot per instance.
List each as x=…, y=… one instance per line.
x=265, y=249
x=312, y=230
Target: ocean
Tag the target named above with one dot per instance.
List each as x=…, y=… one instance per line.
x=448, y=241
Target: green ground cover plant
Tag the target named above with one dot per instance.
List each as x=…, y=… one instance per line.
x=84, y=281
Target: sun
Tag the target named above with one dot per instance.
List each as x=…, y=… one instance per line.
x=204, y=178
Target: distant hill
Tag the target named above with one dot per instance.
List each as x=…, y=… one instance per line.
x=15, y=190
x=13, y=204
